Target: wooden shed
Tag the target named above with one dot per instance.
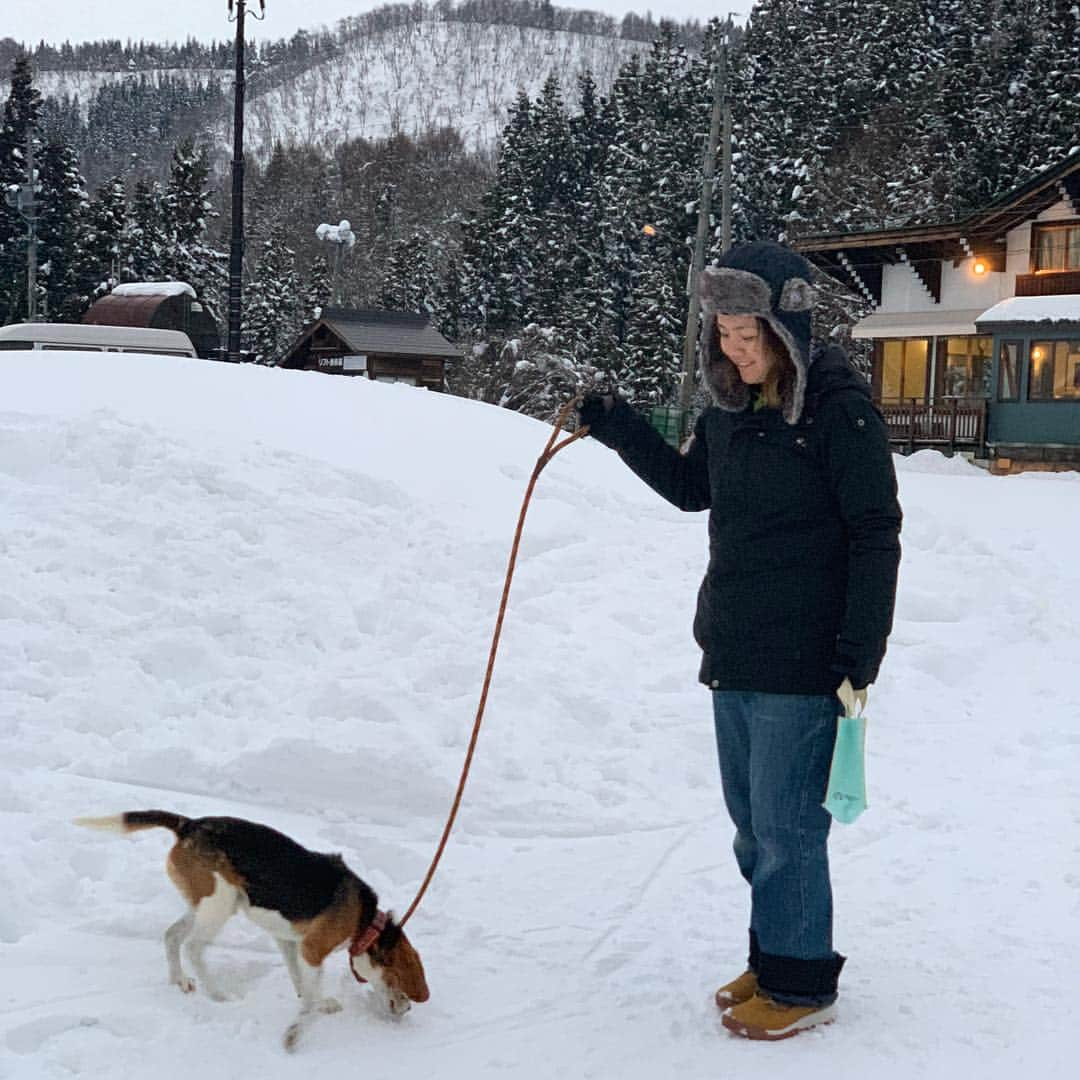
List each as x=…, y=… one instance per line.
x=388, y=346
x=162, y=305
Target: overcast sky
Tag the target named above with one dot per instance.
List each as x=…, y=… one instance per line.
x=166, y=20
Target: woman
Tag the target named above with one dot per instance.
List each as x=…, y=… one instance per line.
x=793, y=463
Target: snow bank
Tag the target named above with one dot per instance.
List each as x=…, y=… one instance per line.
x=229, y=589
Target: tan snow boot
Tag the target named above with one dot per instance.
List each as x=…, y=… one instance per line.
x=763, y=1018
x=737, y=991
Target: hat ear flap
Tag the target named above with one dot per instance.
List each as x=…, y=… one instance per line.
x=797, y=295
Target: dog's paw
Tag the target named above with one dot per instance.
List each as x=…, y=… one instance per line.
x=329, y=1005
x=186, y=984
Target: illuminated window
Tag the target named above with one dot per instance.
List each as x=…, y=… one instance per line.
x=904, y=368
x=967, y=366
x=1055, y=371
x=1009, y=371
x=1057, y=247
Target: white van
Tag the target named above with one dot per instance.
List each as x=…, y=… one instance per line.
x=68, y=337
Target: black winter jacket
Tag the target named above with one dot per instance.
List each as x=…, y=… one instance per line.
x=803, y=532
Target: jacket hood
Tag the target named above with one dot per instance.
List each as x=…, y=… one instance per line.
x=771, y=282
x=831, y=370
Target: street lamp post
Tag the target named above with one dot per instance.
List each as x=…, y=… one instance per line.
x=236, y=243
x=343, y=238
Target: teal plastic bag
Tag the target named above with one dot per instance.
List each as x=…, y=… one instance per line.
x=845, y=797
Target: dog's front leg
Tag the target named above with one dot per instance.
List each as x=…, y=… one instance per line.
x=291, y=951
x=311, y=1000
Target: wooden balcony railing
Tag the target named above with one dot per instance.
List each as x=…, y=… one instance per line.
x=1058, y=283
x=951, y=423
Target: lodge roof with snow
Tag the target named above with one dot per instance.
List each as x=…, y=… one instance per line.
x=400, y=346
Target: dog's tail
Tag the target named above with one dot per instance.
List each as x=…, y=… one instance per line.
x=134, y=820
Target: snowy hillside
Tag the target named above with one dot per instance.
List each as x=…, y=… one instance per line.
x=82, y=85
x=428, y=74
x=268, y=593
x=411, y=78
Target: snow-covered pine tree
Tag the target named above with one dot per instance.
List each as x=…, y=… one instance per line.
x=147, y=254
x=450, y=303
x=187, y=209
x=771, y=70
x=1056, y=41
x=61, y=234
x=655, y=181
x=409, y=284
x=20, y=120
x=316, y=290
x=652, y=353
x=273, y=305
x=551, y=228
x=582, y=318
x=105, y=243
x=495, y=265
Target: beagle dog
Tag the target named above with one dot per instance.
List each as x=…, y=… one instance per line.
x=310, y=903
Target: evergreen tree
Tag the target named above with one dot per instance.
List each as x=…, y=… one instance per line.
x=61, y=234
x=147, y=254
x=273, y=308
x=409, y=284
x=186, y=212
x=653, y=349
x=20, y=123
x=496, y=265
x=316, y=291
x=105, y=244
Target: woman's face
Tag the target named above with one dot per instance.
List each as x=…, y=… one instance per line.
x=743, y=344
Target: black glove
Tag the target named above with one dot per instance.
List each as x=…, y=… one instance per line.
x=593, y=409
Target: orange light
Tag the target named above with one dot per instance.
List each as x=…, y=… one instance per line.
x=649, y=230
x=1037, y=353
x=979, y=267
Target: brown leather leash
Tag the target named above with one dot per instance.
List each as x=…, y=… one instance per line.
x=550, y=450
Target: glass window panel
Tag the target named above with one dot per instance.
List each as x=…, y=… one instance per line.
x=1067, y=370
x=916, y=351
x=892, y=370
x=1055, y=371
x=1041, y=380
x=904, y=368
x=1072, y=256
x=1044, y=250
x=1009, y=371
x=1057, y=248
x=967, y=366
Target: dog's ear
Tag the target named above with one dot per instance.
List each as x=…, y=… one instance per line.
x=390, y=936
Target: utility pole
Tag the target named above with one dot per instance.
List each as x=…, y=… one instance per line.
x=236, y=244
x=721, y=119
x=23, y=200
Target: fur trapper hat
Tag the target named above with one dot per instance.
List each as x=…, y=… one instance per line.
x=772, y=282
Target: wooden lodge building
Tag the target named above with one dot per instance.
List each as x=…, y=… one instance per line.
x=388, y=346
x=976, y=324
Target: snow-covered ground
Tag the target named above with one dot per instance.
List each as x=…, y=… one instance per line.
x=267, y=593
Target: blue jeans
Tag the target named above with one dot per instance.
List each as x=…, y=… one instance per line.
x=775, y=753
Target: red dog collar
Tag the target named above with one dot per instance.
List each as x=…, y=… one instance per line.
x=364, y=939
